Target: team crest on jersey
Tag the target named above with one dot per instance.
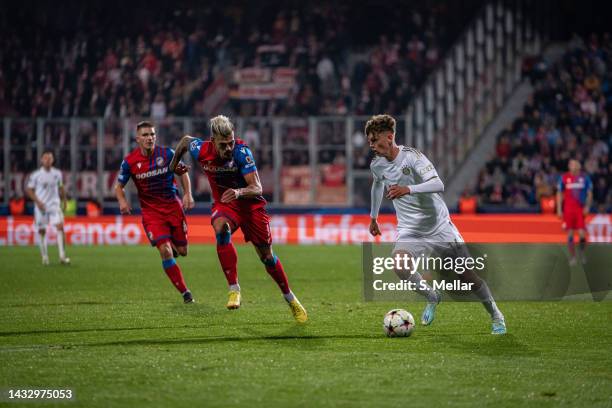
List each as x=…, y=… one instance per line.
x=406, y=170
x=194, y=145
x=248, y=159
x=159, y=161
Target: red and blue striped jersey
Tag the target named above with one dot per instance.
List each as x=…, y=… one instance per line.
x=574, y=189
x=155, y=183
x=223, y=174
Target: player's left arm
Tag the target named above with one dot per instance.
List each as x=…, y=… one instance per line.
x=62, y=193
x=424, y=171
x=253, y=189
x=246, y=164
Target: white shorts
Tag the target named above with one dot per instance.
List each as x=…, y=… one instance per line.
x=446, y=239
x=42, y=219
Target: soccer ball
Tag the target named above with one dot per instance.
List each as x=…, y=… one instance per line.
x=398, y=323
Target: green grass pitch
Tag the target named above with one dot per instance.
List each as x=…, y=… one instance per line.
x=112, y=328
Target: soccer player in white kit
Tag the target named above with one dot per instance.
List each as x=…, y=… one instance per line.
x=46, y=189
x=424, y=224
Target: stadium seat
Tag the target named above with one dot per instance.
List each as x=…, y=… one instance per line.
x=468, y=205
x=17, y=206
x=93, y=209
x=548, y=205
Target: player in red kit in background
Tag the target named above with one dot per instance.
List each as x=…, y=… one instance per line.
x=238, y=203
x=574, y=198
x=163, y=217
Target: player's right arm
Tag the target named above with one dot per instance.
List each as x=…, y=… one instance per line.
x=32, y=195
x=376, y=196
x=122, y=179
x=187, y=143
x=560, y=197
x=188, y=202
x=589, y=196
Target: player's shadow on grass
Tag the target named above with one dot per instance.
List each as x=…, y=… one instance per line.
x=293, y=338
x=178, y=306
x=492, y=346
x=293, y=331
x=74, y=303
x=120, y=329
x=92, y=330
x=195, y=310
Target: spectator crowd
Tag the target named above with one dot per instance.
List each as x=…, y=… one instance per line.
x=567, y=116
x=111, y=59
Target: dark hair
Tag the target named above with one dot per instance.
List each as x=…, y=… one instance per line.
x=144, y=124
x=47, y=151
x=380, y=123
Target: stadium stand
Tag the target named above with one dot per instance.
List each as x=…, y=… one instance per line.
x=567, y=116
x=161, y=61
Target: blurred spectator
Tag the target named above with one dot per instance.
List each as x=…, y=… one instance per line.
x=158, y=108
x=251, y=137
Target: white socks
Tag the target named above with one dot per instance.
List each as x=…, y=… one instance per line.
x=289, y=296
x=42, y=244
x=484, y=294
x=60, y=244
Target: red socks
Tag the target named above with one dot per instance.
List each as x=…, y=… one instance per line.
x=571, y=247
x=276, y=271
x=229, y=262
x=174, y=274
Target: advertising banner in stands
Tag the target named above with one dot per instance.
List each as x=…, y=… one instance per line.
x=306, y=229
x=262, y=83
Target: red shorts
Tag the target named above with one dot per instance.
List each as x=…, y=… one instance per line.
x=170, y=228
x=573, y=219
x=254, y=221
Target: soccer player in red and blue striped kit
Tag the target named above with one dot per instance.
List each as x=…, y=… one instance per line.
x=163, y=217
x=238, y=203
x=574, y=198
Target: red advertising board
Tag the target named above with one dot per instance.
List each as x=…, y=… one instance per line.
x=308, y=229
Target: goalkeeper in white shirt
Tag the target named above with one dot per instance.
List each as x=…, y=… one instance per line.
x=423, y=221
x=46, y=189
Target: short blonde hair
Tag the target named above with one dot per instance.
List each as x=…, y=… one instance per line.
x=221, y=126
x=380, y=123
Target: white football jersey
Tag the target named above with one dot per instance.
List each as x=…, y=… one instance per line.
x=418, y=215
x=46, y=186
